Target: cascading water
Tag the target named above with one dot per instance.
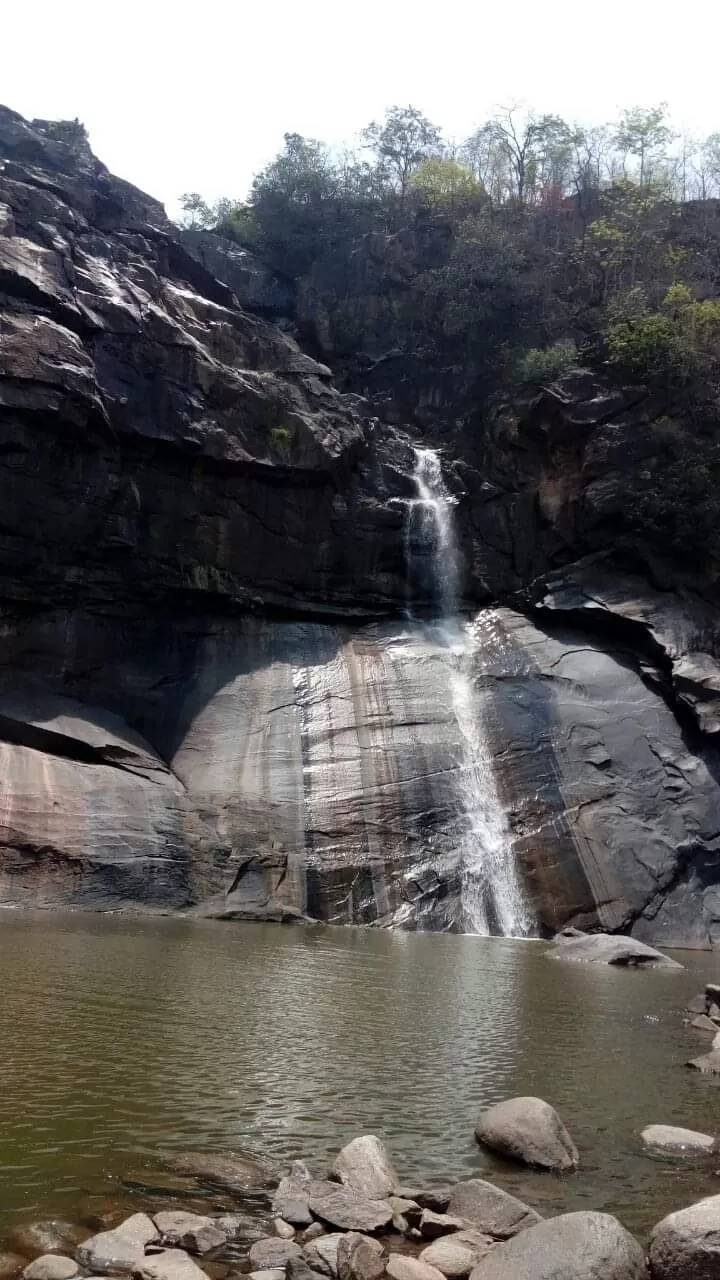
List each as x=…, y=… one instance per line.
x=492, y=898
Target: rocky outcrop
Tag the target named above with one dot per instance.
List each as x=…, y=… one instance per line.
x=212, y=697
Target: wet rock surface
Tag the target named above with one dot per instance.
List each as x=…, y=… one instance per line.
x=584, y=1246
x=528, y=1130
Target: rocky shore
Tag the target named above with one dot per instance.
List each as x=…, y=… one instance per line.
x=360, y=1222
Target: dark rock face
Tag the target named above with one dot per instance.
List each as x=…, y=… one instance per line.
x=211, y=696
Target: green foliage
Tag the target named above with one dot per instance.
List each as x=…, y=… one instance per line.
x=539, y=365
x=643, y=132
x=647, y=348
x=400, y=143
x=443, y=182
x=282, y=438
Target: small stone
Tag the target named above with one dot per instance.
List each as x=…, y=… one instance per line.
x=490, y=1209
x=298, y=1269
x=240, y=1226
x=272, y=1253
x=436, y=1198
x=276, y=1273
x=365, y=1165
x=434, y=1224
x=312, y=1232
x=192, y=1231
x=402, y=1267
x=290, y=1201
x=528, y=1130
x=698, y=1004
x=686, y=1244
x=359, y=1257
x=169, y=1264
x=51, y=1266
x=675, y=1141
x=456, y=1255
x=283, y=1229
x=322, y=1253
x=121, y=1249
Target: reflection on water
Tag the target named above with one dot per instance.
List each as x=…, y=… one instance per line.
x=124, y=1038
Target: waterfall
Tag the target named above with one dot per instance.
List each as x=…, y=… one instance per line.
x=492, y=898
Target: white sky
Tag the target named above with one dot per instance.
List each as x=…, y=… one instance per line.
x=197, y=95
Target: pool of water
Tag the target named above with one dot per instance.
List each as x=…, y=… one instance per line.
x=123, y=1040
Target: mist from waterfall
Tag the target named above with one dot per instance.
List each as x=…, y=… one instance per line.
x=492, y=898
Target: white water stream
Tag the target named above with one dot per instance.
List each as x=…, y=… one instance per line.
x=492, y=897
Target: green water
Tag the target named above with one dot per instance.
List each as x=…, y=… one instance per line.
x=123, y=1040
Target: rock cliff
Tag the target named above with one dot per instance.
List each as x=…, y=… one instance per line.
x=212, y=698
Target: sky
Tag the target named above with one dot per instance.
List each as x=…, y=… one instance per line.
x=196, y=97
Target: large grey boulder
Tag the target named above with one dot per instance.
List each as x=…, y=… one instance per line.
x=359, y=1257
x=528, y=1130
x=169, y=1264
x=192, y=1231
x=272, y=1253
x=607, y=948
x=346, y=1209
x=365, y=1165
x=121, y=1249
x=491, y=1209
x=675, y=1141
x=456, y=1255
x=51, y=1266
x=575, y=1246
x=686, y=1245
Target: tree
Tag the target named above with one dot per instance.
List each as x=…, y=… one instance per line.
x=196, y=212
x=401, y=143
x=302, y=174
x=521, y=158
x=443, y=181
x=642, y=132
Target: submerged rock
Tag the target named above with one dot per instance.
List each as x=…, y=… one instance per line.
x=121, y=1249
x=365, y=1165
x=53, y=1235
x=574, y=1246
x=235, y=1173
x=528, y=1130
x=492, y=1210
x=686, y=1244
x=707, y=1063
x=675, y=1141
x=606, y=948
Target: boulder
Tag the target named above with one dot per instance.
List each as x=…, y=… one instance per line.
x=347, y=1209
x=436, y=1198
x=712, y=993
x=290, y=1201
x=322, y=1253
x=169, y=1264
x=701, y=1022
x=490, y=1209
x=121, y=1249
x=402, y=1267
x=51, y=1266
x=707, y=1063
x=359, y=1257
x=686, y=1244
x=192, y=1231
x=272, y=1253
x=674, y=1141
x=434, y=1224
x=51, y=1235
x=528, y=1130
x=240, y=1226
x=365, y=1165
x=456, y=1255
x=609, y=948
x=575, y=1246
x=234, y=1173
